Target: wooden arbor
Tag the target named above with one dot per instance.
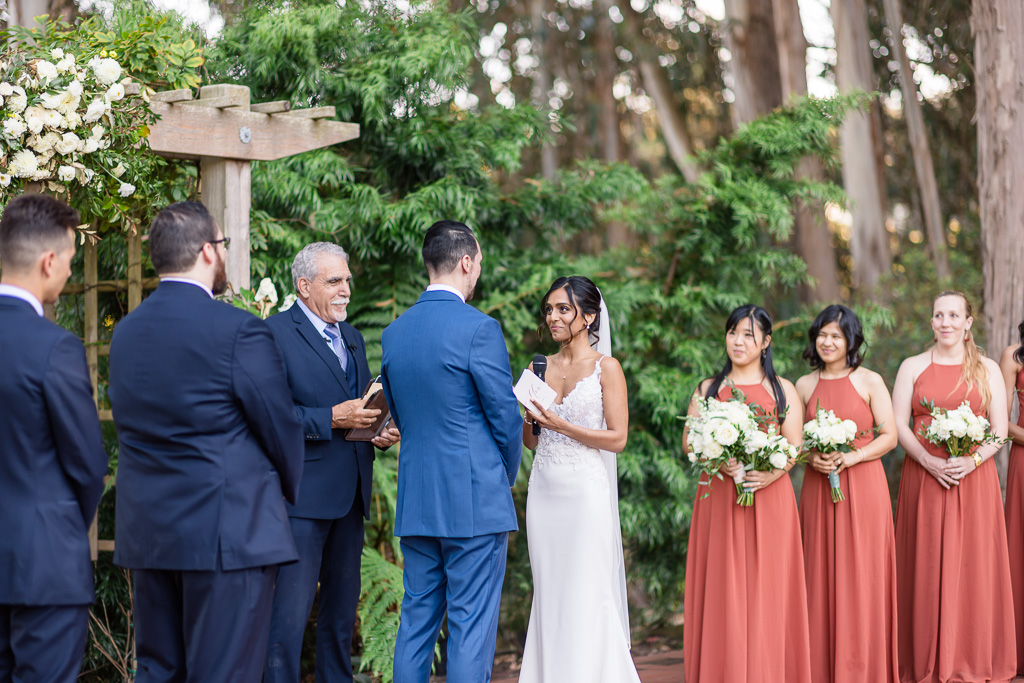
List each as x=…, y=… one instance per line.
x=225, y=133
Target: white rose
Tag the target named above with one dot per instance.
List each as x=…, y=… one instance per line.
x=266, y=290
x=95, y=111
x=98, y=131
x=76, y=89
x=726, y=434
x=57, y=53
x=693, y=438
x=90, y=146
x=14, y=127
x=6, y=89
x=66, y=65
x=66, y=173
x=5, y=180
x=107, y=70
x=289, y=301
x=68, y=144
x=756, y=441
x=126, y=190
x=24, y=164
x=46, y=70
x=52, y=118
x=837, y=434
x=778, y=460
x=851, y=428
x=957, y=425
x=712, y=451
x=115, y=93
x=975, y=433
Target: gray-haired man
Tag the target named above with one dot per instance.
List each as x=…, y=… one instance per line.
x=325, y=360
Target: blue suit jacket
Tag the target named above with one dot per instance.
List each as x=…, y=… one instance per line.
x=333, y=465
x=209, y=443
x=52, y=461
x=448, y=384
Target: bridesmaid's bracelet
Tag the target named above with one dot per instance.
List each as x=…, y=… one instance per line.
x=977, y=459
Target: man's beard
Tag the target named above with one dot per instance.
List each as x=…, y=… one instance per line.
x=220, y=279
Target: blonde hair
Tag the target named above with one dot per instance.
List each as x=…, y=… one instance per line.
x=973, y=369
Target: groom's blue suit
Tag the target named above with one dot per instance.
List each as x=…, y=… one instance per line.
x=448, y=385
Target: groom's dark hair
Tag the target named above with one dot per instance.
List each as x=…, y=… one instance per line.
x=445, y=245
x=177, y=236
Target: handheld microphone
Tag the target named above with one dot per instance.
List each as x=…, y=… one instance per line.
x=540, y=366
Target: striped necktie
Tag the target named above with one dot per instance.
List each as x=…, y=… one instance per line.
x=339, y=349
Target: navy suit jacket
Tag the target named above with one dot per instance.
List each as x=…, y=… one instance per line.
x=447, y=381
x=333, y=465
x=52, y=461
x=209, y=443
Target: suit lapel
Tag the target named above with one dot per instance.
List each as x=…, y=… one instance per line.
x=313, y=338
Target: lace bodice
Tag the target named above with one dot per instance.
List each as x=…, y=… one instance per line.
x=583, y=406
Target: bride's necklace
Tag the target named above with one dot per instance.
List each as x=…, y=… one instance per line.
x=562, y=367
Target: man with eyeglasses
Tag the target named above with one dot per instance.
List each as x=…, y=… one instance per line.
x=210, y=449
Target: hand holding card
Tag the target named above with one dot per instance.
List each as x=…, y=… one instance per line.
x=532, y=391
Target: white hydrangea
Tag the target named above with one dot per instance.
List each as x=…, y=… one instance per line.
x=24, y=164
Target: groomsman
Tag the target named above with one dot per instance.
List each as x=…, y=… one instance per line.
x=210, y=448
x=325, y=361
x=52, y=460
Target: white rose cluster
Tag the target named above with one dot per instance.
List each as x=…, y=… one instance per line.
x=827, y=433
x=958, y=430
x=720, y=431
x=53, y=115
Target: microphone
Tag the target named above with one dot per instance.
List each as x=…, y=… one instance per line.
x=540, y=366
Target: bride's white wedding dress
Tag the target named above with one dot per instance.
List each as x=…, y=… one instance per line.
x=579, y=628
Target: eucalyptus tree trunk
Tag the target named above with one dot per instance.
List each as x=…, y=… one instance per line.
x=609, y=126
x=860, y=140
x=750, y=39
x=542, y=81
x=928, y=188
x=24, y=12
x=811, y=235
x=998, y=55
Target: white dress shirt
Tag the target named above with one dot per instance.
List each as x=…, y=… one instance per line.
x=446, y=288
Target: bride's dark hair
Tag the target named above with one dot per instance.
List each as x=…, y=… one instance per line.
x=584, y=297
x=759, y=317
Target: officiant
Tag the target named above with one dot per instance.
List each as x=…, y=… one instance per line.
x=325, y=361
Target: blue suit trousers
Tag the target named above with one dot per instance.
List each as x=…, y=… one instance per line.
x=462, y=576
x=42, y=644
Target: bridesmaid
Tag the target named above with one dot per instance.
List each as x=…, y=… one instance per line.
x=952, y=567
x=745, y=605
x=1012, y=365
x=849, y=546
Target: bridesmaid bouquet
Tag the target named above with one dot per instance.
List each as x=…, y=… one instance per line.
x=826, y=433
x=959, y=431
x=719, y=432
x=762, y=452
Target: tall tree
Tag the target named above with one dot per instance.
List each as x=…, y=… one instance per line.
x=924, y=169
x=860, y=142
x=542, y=80
x=811, y=235
x=999, y=52
x=750, y=39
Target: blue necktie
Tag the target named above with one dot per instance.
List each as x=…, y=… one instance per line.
x=339, y=349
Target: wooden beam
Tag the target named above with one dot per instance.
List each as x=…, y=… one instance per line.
x=192, y=132
x=312, y=113
x=225, y=191
x=74, y=288
x=182, y=95
x=275, y=107
x=218, y=102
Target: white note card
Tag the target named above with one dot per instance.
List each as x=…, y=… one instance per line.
x=531, y=387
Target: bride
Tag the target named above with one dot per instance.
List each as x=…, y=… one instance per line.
x=579, y=622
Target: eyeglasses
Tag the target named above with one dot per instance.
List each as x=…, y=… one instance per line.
x=225, y=240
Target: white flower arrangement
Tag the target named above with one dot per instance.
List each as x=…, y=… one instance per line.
x=959, y=431
x=724, y=430
x=827, y=433
x=51, y=121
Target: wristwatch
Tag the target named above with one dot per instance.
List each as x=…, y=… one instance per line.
x=977, y=458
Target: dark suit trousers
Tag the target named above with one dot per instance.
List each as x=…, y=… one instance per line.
x=42, y=644
x=329, y=553
x=202, y=626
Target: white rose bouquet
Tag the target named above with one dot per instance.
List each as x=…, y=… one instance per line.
x=763, y=452
x=719, y=432
x=959, y=431
x=826, y=433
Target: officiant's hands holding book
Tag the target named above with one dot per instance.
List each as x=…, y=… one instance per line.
x=352, y=415
x=389, y=437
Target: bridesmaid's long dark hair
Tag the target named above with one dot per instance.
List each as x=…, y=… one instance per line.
x=1018, y=355
x=759, y=316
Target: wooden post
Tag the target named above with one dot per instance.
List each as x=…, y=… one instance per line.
x=91, y=335
x=134, y=270
x=226, y=191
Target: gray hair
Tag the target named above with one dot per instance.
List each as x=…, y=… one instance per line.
x=305, y=264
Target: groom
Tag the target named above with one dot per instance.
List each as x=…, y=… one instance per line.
x=448, y=385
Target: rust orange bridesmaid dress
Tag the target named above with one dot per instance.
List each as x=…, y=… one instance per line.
x=952, y=567
x=850, y=557
x=1015, y=527
x=745, y=604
